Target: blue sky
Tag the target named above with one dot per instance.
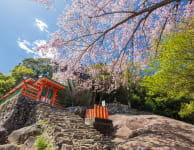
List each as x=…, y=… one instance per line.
x=24, y=25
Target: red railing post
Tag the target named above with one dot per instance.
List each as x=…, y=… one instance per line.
x=98, y=111
x=101, y=112
x=106, y=113
x=95, y=110
x=90, y=113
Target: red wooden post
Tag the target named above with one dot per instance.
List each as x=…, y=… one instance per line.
x=106, y=113
x=46, y=97
x=90, y=113
x=98, y=111
x=95, y=110
x=40, y=91
x=54, y=96
x=101, y=112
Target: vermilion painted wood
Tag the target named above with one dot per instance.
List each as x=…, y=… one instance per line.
x=98, y=111
x=95, y=110
x=104, y=112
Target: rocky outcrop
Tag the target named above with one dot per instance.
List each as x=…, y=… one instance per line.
x=26, y=118
x=151, y=132
x=21, y=135
x=18, y=112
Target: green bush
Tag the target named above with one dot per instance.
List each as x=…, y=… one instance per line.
x=187, y=111
x=137, y=102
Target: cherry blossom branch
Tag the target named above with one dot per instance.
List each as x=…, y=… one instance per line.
x=150, y=9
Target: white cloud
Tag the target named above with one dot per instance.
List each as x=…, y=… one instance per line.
x=24, y=45
x=39, y=43
x=32, y=48
x=41, y=25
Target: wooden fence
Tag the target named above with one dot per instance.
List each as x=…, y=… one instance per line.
x=97, y=112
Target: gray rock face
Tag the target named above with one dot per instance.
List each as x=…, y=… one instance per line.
x=114, y=108
x=78, y=110
x=65, y=129
x=21, y=135
x=29, y=143
x=18, y=112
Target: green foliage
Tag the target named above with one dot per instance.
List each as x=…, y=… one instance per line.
x=40, y=66
x=169, y=78
x=172, y=70
x=42, y=144
x=6, y=83
x=187, y=111
x=20, y=71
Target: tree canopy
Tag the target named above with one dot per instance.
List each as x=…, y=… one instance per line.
x=6, y=83
x=21, y=71
x=40, y=66
x=172, y=69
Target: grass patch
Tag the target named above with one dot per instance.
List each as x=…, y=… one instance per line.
x=42, y=144
x=52, y=125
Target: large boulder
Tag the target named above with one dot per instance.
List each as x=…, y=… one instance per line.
x=21, y=135
x=144, y=132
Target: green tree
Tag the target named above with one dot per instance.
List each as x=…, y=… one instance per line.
x=20, y=71
x=40, y=66
x=6, y=83
x=170, y=75
x=172, y=70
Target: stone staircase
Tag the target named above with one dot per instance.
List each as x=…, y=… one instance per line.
x=70, y=132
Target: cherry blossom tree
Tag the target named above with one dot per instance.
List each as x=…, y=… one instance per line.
x=112, y=32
